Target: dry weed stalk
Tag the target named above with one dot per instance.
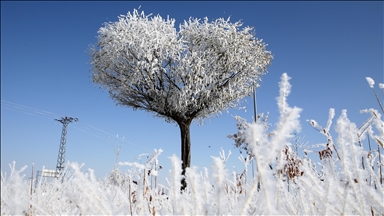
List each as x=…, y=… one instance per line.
x=30, y=194
x=241, y=180
x=292, y=166
x=379, y=141
x=239, y=186
x=242, y=127
x=325, y=153
x=380, y=166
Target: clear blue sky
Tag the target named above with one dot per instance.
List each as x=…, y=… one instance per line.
x=328, y=48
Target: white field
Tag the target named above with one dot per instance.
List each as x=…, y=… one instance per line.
x=348, y=179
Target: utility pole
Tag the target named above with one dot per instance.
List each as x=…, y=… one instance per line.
x=255, y=120
x=254, y=105
x=61, y=157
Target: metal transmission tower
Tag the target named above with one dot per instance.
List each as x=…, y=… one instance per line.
x=61, y=157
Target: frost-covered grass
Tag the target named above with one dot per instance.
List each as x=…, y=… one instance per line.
x=347, y=180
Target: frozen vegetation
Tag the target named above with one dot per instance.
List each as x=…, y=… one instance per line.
x=347, y=179
x=181, y=75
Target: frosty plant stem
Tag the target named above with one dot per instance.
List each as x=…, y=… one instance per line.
x=30, y=205
x=265, y=149
x=371, y=83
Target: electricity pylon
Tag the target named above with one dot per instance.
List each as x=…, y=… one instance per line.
x=61, y=157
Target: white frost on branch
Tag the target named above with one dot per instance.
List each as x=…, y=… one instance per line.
x=285, y=90
x=194, y=73
x=331, y=116
x=370, y=81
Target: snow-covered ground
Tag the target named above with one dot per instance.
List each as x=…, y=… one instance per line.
x=346, y=180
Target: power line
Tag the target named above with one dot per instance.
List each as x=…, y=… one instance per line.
x=50, y=115
x=29, y=110
x=113, y=135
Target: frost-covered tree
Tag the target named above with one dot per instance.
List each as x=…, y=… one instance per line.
x=184, y=74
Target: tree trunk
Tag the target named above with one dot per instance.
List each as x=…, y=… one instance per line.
x=185, y=149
